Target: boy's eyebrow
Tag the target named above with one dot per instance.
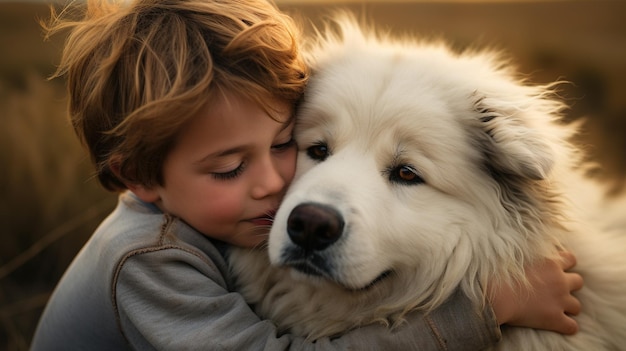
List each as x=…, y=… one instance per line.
x=222, y=153
x=241, y=148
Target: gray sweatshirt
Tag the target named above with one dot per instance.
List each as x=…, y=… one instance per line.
x=148, y=281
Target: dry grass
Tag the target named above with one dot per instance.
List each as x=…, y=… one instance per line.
x=44, y=184
x=49, y=205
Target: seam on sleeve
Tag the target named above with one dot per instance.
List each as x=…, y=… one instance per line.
x=433, y=327
x=159, y=247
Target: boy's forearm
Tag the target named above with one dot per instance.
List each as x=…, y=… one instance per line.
x=460, y=325
x=213, y=316
x=456, y=325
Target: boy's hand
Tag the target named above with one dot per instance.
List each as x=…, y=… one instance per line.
x=547, y=304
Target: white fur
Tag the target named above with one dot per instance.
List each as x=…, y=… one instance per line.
x=502, y=188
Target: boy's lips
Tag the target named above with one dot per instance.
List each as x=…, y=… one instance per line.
x=265, y=219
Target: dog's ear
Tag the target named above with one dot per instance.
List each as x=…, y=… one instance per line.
x=510, y=141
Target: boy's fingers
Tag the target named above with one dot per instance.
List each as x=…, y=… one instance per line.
x=563, y=324
x=568, y=260
x=572, y=306
x=568, y=326
x=575, y=280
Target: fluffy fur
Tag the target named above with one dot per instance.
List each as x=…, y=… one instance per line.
x=440, y=171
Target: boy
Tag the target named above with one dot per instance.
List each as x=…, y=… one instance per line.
x=186, y=108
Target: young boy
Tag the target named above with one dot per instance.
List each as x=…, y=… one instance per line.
x=186, y=108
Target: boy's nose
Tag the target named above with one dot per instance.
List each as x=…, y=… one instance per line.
x=269, y=180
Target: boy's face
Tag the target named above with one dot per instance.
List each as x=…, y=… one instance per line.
x=229, y=170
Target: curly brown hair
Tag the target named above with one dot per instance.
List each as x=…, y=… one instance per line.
x=138, y=71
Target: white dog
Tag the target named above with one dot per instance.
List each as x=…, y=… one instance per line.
x=421, y=171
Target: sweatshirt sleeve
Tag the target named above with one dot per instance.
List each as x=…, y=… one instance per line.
x=172, y=299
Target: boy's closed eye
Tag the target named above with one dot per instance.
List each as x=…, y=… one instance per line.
x=237, y=171
x=286, y=145
x=228, y=175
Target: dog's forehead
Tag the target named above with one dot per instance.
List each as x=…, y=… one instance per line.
x=385, y=95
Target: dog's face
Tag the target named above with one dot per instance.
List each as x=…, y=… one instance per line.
x=402, y=151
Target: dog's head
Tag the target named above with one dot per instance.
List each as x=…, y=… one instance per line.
x=414, y=161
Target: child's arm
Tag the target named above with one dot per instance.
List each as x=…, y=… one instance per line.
x=547, y=303
x=172, y=299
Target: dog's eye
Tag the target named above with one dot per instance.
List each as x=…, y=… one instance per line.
x=404, y=174
x=318, y=151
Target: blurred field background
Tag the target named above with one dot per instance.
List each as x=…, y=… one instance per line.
x=49, y=204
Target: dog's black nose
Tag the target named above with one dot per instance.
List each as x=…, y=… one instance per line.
x=314, y=226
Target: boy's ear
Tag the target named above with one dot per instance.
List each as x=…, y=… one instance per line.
x=144, y=193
